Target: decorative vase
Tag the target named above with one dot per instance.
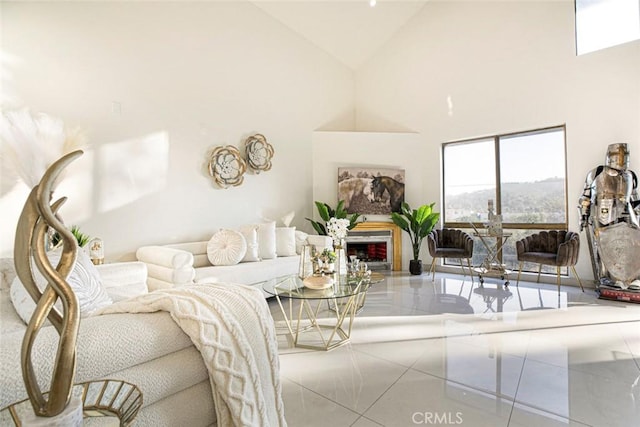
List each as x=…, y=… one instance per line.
x=306, y=262
x=341, y=257
x=415, y=267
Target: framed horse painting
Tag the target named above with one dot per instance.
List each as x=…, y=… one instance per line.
x=372, y=191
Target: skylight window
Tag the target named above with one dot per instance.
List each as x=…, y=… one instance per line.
x=605, y=23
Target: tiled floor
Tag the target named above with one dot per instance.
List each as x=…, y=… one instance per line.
x=452, y=353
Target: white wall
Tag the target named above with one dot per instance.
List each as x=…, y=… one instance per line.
x=194, y=75
x=187, y=76
x=394, y=150
x=465, y=69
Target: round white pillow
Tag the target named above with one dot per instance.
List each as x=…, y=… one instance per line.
x=226, y=247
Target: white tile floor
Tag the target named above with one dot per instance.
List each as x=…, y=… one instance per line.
x=452, y=353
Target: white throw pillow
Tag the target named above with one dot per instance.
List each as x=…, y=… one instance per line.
x=226, y=247
x=84, y=279
x=267, y=240
x=286, y=241
x=250, y=233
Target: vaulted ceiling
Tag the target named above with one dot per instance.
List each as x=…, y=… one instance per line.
x=349, y=30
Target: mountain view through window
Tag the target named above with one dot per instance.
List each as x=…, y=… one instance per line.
x=523, y=175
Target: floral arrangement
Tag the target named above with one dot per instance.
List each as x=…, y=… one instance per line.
x=322, y=260
x=337, y=229
x=326, y=212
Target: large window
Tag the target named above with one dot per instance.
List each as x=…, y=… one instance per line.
x=524, y=176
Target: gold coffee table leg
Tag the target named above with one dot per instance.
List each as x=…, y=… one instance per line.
x=336, y=334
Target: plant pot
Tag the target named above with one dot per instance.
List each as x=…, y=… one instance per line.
x=415, y=267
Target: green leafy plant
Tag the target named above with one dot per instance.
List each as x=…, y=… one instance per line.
x=328, y=255
x=326, y=212
x=82, y=238
x=417, y=222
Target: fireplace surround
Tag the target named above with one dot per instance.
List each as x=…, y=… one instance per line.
x=379, y=244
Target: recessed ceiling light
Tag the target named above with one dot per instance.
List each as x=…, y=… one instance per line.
x=372, y=3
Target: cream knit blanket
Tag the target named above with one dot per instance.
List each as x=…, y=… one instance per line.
x=232, y=328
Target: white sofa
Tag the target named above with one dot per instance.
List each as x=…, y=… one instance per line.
x=148, y=350
x=184, y=263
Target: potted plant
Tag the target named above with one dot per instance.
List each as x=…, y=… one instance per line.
x=418, y=223
x=328, y=258
x=327, y=212
x=81, y=237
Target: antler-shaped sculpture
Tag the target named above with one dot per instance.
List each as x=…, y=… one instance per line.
x=37, y=216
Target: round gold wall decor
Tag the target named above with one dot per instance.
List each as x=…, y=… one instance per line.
x=259, y=153
x=226, y=166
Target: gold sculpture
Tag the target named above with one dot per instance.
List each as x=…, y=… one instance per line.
x=37, y=216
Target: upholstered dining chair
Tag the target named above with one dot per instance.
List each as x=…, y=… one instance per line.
x=450, y=243
x=555, y=248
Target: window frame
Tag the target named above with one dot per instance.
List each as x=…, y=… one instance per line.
x=498, y=196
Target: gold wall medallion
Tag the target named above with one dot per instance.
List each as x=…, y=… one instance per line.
x=226, y=166
x=258, y=152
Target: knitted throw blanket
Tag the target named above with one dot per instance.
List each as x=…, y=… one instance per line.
x=232, y=328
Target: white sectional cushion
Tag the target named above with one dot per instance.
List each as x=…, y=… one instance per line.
x=181, y=276
x=22, y=301
x=286, y=241
x=164, y=256
x=208, y=279
x=154, y=284
x=201, y=260
x=123, y=280
x=250, y=273
x=250, y=233
x=267, y=240
x=9, y=319
x=226, y=247
x=197, y=249
x=84, y=279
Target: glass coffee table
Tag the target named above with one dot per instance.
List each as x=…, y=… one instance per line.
x=343, y=300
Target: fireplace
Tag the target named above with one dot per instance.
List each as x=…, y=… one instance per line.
x=376, y=243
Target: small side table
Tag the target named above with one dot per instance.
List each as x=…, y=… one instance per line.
x=492, y=265
x=117, y=399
